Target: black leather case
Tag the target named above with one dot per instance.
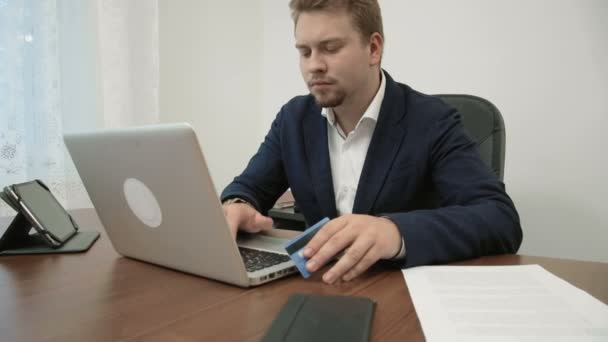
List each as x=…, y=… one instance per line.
x=307, y=317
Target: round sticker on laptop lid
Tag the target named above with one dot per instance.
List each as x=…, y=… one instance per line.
x=142, y=202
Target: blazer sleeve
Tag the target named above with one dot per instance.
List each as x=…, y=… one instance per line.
x=475, y=216
x=263, y=181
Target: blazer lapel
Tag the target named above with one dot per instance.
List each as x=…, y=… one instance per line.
x=386, y=142
x=317, y=154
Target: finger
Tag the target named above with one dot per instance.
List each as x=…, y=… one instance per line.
x=257, y=222
x=241, y=216
x=370, y=258
x=351, y=257
x=336, y=244
x=232, y=221
x=262, y=222
x=324, y=234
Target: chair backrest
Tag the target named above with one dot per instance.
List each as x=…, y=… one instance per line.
x=485, y=125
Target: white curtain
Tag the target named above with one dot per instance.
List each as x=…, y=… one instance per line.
x=65, y=66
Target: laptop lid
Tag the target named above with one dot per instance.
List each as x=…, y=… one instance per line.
x=153, y=194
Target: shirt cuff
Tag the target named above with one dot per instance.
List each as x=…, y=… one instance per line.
x=401, y=254
x=237, y=200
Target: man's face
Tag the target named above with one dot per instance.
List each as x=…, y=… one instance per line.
x=334, y=61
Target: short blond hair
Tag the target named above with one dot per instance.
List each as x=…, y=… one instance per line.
x=365, y=14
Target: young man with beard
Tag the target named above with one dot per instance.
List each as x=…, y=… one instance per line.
x=367, y=152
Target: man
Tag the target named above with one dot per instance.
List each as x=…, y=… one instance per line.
x=368, y=152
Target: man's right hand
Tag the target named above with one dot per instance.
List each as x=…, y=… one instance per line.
x=244, y=217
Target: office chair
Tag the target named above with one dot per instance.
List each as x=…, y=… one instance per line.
x=484, y=123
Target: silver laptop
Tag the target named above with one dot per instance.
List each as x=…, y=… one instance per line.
x=156, y=200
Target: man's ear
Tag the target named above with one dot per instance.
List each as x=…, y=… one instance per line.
x=376, y=48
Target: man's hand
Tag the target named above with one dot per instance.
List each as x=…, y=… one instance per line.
x=366, y=239
x=244, y=217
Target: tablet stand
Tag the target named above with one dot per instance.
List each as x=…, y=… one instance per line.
x=17, y=240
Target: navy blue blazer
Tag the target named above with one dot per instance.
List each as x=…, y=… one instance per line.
x=421, y=170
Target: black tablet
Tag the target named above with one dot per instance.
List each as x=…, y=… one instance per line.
x=43, y=211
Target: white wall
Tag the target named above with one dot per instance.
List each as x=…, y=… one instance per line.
x=282, y=79
x=210, y=71
x=544, y=63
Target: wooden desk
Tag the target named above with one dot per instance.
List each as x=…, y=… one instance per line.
x=100, y=296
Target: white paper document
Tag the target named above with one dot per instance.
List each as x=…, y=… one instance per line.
x=503, y=303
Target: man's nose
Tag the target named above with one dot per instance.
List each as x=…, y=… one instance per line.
x=316, y=63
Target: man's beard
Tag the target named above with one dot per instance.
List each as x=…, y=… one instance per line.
x=329, y=99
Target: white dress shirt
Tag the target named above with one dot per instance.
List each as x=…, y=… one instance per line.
x=347, y=152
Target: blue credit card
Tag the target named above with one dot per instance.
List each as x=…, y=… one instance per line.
x=295, y=247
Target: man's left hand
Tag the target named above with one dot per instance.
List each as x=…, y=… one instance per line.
x=365, y=239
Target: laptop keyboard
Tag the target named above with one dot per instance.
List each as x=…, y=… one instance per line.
x=256, y=260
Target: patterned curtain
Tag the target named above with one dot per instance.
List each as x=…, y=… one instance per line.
x=65, y=66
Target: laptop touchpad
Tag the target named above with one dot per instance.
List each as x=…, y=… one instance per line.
x=261, y=242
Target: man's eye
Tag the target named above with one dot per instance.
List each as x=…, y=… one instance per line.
x=332, y=48
x=304, y=52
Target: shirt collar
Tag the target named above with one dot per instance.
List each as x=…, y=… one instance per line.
x=373, y=110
